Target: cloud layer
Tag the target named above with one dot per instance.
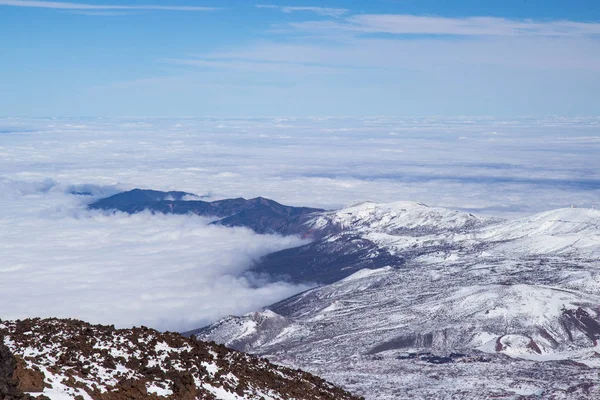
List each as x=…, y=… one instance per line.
x=168, y=272
x=176, y=272
x=526, y=163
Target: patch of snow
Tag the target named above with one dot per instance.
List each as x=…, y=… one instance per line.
x=366, y=272
x=153, y=388
x=211, y=368
x=221, y=394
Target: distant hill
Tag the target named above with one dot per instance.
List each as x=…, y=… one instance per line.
x=259, y=214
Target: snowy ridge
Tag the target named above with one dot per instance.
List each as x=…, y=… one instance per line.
x=573, y=231
x=397, y=217
x=558, y=222
x=254, y=327
x=412, y=230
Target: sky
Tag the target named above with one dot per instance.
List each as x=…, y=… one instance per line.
x=233, y=58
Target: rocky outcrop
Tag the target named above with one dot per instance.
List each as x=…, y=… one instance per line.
x=15, y=378
x=578, y=319
x=28, y=379
x=80, y=360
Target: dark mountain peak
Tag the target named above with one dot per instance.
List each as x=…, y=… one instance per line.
x=263, y=200
x=267, y=216
x=259, y=214
x=147, y=194
x=138, y=196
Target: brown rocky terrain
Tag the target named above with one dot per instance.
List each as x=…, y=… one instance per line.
x=9, y=376
x=57, y=357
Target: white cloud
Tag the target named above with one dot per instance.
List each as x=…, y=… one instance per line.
x=389, y=54
x=468, y=26
x=82, y=6
x=324, y=11
x=168, y=272
x=175, y=272
x=335, y=160
x=388, y=64
x=261, y=66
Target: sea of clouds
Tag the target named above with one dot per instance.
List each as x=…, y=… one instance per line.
x=179, y=272
x=170, y=272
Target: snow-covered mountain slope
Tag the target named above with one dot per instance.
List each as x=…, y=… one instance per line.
x=68, y=359
x=382, y=310
x=569, y=231
x=398, y=217
x=489, y=295
x=369, y=235
x=380, y=326
x=408, y=229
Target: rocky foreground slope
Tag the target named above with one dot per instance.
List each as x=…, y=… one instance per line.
x=68, y=359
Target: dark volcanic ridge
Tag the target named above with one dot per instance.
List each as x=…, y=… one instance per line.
x=58, y=357
x=259, y=214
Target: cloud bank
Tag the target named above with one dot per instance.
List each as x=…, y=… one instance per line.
x=532, y=164
x=168, y=272
x=177, y=272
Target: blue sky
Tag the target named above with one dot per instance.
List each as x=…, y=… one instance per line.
x=265, y=58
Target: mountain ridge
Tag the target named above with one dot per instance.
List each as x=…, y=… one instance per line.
x=259, y=214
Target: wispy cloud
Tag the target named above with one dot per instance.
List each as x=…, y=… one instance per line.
x=324, y=11
x=256, y=65
x=470, y=26
x=81, y=6
x=104, y=13
x=537, y=53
